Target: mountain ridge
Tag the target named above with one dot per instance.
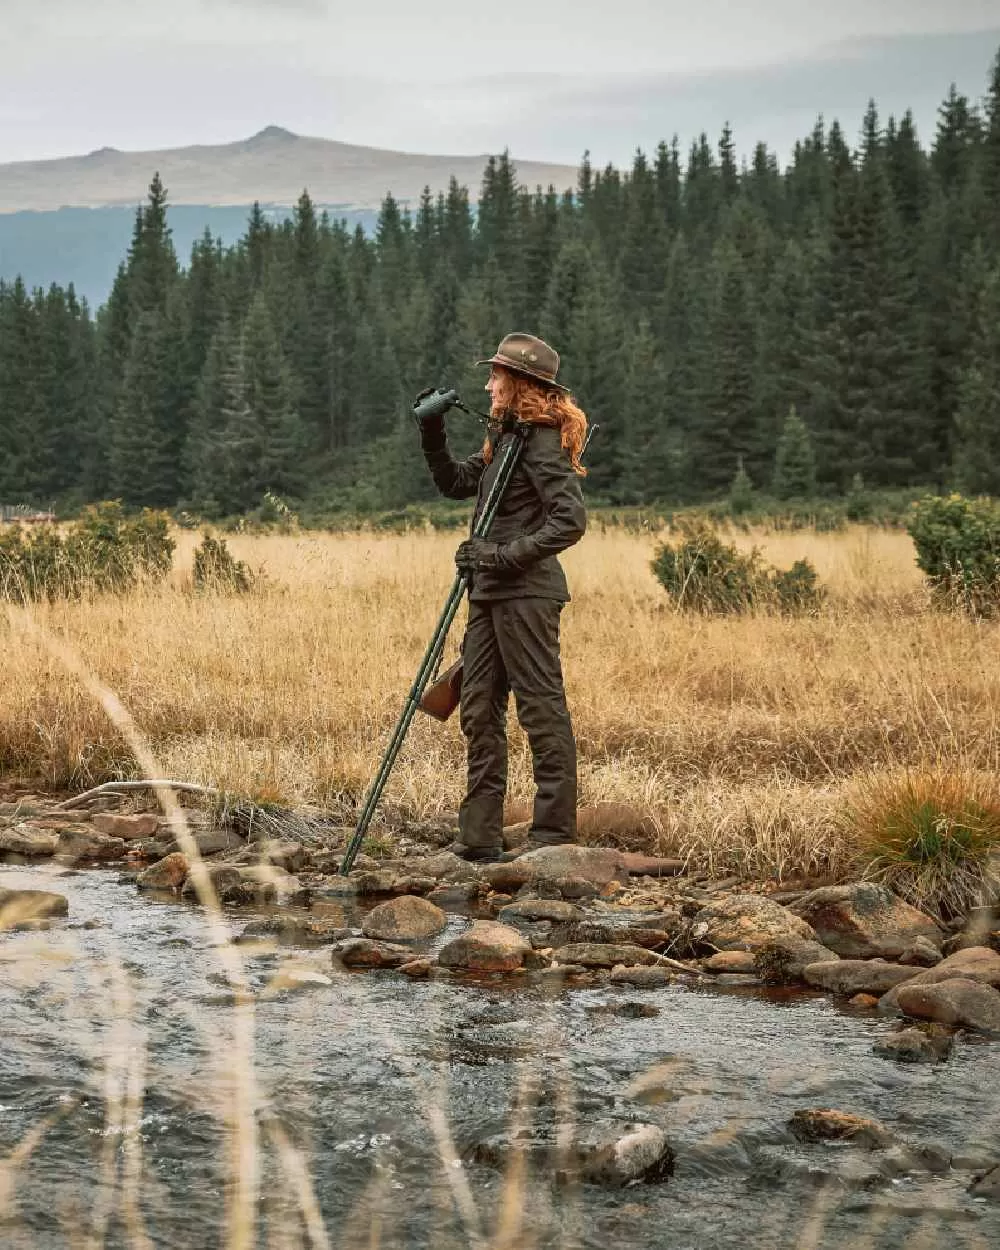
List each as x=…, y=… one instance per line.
x=272, y=166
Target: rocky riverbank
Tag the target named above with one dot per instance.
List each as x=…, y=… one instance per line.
x=573, y=915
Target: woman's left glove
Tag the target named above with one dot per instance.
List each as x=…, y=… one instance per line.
x=479, y=555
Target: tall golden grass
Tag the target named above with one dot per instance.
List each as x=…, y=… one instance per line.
x=733, y=741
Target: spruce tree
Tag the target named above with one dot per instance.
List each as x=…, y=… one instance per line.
x=794, y=461
x=977, y=420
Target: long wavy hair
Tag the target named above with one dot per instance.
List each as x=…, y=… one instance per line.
x=533, y=403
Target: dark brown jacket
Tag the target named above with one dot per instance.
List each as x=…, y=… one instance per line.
x=541, y=513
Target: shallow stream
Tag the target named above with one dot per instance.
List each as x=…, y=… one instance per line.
x=120, y=1052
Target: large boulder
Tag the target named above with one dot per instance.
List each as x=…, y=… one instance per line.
x=23, y=908
x=857, y=976
x=746, y=922
x=404, y=919
x=863, y=920
x=959, y=1001
x=485, y=947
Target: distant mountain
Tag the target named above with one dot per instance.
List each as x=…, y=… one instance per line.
x=272, y=166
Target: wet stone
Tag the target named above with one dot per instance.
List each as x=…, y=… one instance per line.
x=857, y=976
x=912, y=1046
x=127, y=827
x=485, y=947
x=367, y=953
x=404, y=919
x=827, y=1125
x=641, y=978
x=539, y=909
x=28, y=907
x=168, y=873
x=603, y=954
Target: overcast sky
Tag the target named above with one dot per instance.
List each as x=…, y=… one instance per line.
x=545, y=79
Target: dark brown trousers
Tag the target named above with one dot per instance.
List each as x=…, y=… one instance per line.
x=513, y=645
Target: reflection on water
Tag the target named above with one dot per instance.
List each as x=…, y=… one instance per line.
x=120, y=1060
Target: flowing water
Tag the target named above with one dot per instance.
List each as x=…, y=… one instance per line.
x=120, y=1051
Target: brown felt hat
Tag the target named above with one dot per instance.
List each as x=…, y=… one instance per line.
x=530, y=356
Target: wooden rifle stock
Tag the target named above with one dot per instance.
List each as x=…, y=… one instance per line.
x=444, y=695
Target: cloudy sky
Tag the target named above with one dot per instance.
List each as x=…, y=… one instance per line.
x=545, y=79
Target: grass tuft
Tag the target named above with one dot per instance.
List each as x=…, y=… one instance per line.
x=930, y=835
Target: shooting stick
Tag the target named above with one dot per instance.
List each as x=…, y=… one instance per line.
x=432, y=656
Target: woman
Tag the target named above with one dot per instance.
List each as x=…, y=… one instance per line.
x=517, y=593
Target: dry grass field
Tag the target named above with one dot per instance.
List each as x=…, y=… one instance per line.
x=737, y=741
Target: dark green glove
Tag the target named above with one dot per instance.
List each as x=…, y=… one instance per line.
x=479, y=555
x=430, y=405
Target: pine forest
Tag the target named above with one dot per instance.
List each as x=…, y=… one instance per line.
x=798, y=330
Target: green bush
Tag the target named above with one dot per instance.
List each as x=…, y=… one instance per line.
x=216, y=569
x=704, y=574
x=104, y=551
x=958, y=548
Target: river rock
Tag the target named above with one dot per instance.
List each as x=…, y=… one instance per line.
x=23, y=908
x=212, y=842
x=290, y=929
x=784, y=960
x=417, y=969
x=223, y=878
x=641, y=1153
x=747, y=922
x=603, y=955
x=261, y=883
x=28, y=840
x=921, y=953
x=640, y=978
x=912, y=1046
x=974, y=963
x=81, y=843
x=730, y=961
x=958, y=1001
x=444, y=866
x=857, y=976
x=577, y=888
x=505, y=878
x=127, y=827
x=863, y=920
x=598, y=865
x=168, y=873
x=532, y=909
x=485, y=947
x=826, y=1124
x=987, y=1186
x=515, y=836
x=404, y=919
x=367, y=953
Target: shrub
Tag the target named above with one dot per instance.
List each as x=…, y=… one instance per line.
x=933, y=837
x=958, y=548
x=703, y=573
x=104, y=551
x=216, y=569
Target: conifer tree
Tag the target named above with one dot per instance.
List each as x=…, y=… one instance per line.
x=794, y=460
x=977, y=420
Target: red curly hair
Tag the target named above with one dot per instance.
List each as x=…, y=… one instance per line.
x=533, y=403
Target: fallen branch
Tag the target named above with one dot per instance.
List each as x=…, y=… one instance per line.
x=125, y=787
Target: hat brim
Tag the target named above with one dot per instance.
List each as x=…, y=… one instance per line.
x=504, y=363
